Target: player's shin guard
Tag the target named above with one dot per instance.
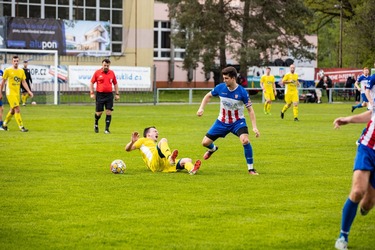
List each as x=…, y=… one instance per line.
x=248, y=149
x=8, y=118
x=295, y=111
x=18, y=118
x=108, y=119
x=349, y=212
x=285, y=108
x=97, y=117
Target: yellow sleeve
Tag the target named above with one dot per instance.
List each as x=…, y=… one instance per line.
x=286, y=77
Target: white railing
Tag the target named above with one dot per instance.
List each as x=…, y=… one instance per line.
x=334, y=93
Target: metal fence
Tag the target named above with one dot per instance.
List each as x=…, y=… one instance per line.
x=45, y=95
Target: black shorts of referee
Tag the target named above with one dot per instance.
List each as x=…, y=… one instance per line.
x=104, y=100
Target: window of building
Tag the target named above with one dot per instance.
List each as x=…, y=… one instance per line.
x=110, y=10
x=162, y=42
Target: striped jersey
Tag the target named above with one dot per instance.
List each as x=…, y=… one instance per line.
x=370, y=85
x=363, y=81
x=368, y=137
x=232, y=102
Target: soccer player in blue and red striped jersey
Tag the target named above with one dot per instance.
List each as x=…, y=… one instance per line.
x=233, y=101
x=362, y=193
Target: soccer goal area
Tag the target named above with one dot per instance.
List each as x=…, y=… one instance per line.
x=51, y=83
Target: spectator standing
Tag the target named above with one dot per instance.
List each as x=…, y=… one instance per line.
x=324, y=83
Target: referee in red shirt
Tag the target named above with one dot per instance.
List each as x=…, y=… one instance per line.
x=104, y=79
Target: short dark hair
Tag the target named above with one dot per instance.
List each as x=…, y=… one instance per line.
x=145, y=131
x=15, y=57
x=106, y=61
x=268, y=67
x=230, y=71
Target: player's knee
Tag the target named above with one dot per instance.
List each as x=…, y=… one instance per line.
x=245, y=141
x=163, y=140
x=356, y=195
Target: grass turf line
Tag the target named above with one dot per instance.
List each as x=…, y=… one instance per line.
x=57, y=192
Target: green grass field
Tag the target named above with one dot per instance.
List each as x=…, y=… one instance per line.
x=57, y=192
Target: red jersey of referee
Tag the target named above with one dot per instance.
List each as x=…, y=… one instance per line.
x=104, y=80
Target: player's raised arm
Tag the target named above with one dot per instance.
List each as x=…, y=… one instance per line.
x=206, y=99
x=130, y=146
x=360, y=118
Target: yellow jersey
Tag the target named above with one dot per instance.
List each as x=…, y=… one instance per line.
x=291, y=87
x=154, y=159
x=14, y=78
x=267, y=82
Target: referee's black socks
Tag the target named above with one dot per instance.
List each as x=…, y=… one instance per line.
x=108, y=119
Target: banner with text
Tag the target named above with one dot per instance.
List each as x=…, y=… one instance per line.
x=35, y=33
x=44, y=74
x=69, y=37
x=127, y=77
x=338, y=75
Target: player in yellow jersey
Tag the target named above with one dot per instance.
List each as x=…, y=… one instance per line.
x=290, y=80
x=14, y=77
x=267, y=83
x=157, y=155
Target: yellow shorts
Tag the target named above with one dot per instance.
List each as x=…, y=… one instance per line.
x=158, y=164
x=269, y=95
x=13, y=100
x=291, y=97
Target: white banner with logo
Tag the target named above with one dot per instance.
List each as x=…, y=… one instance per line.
x=127, y=77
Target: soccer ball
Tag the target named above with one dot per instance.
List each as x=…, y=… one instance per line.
x=118, y=167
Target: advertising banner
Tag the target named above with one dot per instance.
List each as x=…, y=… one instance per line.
x=87, y=38
x=44, y=74
x=35, y=33
x=338, y=75
x=3, y=25
x=305, y=74
x=68, y=37
x=127, y=77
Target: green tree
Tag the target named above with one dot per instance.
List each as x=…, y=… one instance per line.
x=358, y=31
x=252, y=31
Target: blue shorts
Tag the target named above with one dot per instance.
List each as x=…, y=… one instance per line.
x=365, y=160
x=220, y=129
x=364, y=98
x=1, y=103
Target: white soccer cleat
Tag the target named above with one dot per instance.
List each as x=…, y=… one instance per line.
x=341, y=243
